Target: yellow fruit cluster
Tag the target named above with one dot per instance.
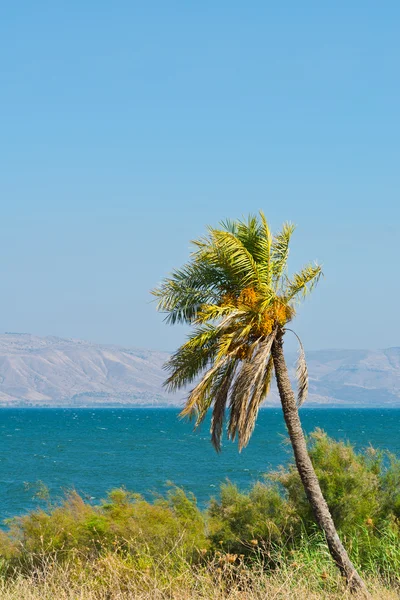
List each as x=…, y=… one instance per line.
x=248, y=297
x=278, y=313
x=267, y=324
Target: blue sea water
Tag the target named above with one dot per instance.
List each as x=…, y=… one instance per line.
x=95, y=450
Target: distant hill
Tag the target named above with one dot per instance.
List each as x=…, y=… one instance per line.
x=52, y=371
x=355, y=377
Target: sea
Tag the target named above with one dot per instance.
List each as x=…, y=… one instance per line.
x=145, y=450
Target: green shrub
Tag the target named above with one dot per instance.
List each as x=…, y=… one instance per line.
x=247, y=522
x=270, y=525
x=274, y=519
x=360, y=488
x=124, y=523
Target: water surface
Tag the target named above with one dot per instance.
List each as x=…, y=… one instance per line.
x=95, y=450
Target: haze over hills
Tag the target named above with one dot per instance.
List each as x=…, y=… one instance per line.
x=52, y=371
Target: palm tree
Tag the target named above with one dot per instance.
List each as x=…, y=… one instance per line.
x=236, y=293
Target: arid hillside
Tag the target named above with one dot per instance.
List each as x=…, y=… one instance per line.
x=52, y=371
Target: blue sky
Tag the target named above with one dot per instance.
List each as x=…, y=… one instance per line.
x=128, y=126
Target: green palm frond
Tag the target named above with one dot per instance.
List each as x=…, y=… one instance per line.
x=225, y=345
x=280, y=251
x=213, y=312
x=303, y=282
x=262, y=251
x=229, y=225
x=267, y=297
x=241, y=263
x=182, y=294
x=248, y=232
x=192, y=357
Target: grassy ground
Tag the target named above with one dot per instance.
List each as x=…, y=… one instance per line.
x=259, y=544
x=65, y=584
x=306, y=576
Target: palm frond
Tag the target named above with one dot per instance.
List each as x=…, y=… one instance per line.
x=262, y=250
x=182, y=294
x=192, y=357
x=229, y=225
x=280, y=251
x=269, y=373
x=248, y=232
x=302, y=377
x=243, y=386
x=247, y=423
x=303, y=282
x=258, y=394
x=233, y=254
x=199, y=399
x=214, y=312
x=267, y=297
x=301, y=373
x=221, y=394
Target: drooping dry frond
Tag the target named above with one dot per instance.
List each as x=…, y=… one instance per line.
x=220, y=401
x=302, y=377
x=260, y=391
x=269, y=372
x=198, y=400
x=301, y=373
x=248, y=385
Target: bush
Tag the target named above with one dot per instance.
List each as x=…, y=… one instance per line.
x=124, y=522
x=270, y=525
x=247, y=522
x=274, y=520
x=360, y=488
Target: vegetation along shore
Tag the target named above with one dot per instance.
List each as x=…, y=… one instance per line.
x=260, y=543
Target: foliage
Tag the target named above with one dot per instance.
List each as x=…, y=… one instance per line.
x=123, y=522
x=244, y=522
x=269, y=527
x=237, y=295
x=360, y=488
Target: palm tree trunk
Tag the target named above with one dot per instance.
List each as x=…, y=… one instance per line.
x=307, y=473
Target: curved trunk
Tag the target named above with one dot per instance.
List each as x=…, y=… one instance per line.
x=307, y=473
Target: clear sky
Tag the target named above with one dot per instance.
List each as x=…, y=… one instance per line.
x=127, y=126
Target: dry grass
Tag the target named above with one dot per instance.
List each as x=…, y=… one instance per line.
x=111, y=579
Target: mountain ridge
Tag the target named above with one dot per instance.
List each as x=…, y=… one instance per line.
x=54, y=371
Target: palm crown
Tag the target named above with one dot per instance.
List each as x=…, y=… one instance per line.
x=237, y=294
